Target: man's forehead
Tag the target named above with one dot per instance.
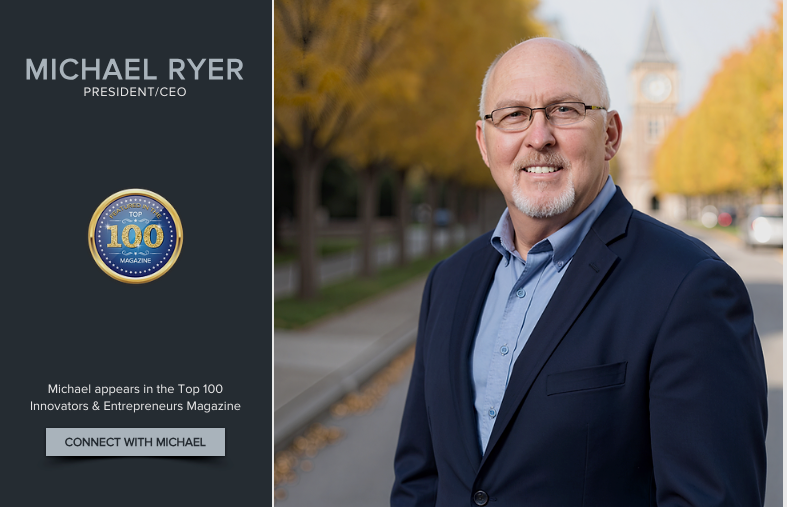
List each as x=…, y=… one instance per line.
x=510, y=98
x=537, y=55
x=551, y=69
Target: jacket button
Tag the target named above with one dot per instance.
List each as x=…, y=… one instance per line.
x=480, y=498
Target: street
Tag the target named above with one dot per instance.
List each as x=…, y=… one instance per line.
x=357, y=469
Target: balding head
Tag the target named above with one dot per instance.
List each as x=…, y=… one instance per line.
x=581, y=59
x=549, y=170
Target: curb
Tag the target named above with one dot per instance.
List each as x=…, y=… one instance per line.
x=295, y=417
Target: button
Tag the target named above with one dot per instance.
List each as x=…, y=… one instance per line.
x=520, y=293
x=135, y=441
x=492, y=413
x=480, y=498
x=504, y=350
x=560, y=264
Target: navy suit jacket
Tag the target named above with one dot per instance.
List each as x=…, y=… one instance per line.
x=643, y=383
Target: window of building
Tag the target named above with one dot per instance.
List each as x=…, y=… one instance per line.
x=654, y=130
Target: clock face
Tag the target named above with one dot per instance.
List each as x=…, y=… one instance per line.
x=656, y=87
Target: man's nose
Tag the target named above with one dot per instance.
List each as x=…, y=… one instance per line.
x=539, y=134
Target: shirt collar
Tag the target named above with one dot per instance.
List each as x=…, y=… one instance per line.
x=565, y=241
x=503, y=237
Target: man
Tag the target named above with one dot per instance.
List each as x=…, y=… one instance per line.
x=582, y=353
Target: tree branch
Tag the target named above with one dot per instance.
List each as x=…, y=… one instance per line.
x=339, y=124
x=287, y=22
x=286, y=144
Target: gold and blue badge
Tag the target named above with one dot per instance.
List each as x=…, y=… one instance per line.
x=135, y=236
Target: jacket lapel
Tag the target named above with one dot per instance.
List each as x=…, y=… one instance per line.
x=587, y=271
x=470, y=304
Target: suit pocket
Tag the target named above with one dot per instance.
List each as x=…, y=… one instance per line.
x=595, y=377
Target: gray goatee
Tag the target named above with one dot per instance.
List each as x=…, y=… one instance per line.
x=537, y=206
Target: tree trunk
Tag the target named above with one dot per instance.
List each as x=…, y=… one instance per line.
x=452, y=196
x=474, y=226
x=402, y=198
x=480, y=210
x=308, y=170
x=431, y=200
x=277, y=246
x=368, y=201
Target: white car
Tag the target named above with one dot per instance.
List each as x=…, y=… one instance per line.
x=764, y=225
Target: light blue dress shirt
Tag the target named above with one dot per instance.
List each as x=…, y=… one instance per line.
x=517, y=298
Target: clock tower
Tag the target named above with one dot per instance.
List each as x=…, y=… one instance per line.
x=654, y=91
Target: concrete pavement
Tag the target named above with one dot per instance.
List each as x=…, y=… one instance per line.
x=315, y=367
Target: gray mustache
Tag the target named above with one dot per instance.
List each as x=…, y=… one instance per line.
x=549, y=159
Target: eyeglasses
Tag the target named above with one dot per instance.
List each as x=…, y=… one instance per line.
x=518, y=118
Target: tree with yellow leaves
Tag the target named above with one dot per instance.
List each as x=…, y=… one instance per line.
x=732, y=140
x=327, y=52
x=436, y=130
x=383, y=82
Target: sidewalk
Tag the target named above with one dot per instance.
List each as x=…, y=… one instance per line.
x=316, y=367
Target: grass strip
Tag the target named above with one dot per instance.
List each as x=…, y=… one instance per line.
x=732, y=230
x=292, y=313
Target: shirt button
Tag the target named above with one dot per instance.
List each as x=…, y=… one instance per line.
x=492, y=413
x=480, y=498
x=504, y=350
x=560, y=264
x=520, y=293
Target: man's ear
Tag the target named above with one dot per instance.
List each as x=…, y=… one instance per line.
x=479, y=137
x=614, y=132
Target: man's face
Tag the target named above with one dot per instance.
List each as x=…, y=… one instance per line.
x=535, y=74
